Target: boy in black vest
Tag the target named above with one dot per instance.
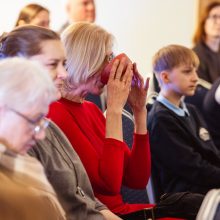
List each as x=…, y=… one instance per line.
x=183, y=153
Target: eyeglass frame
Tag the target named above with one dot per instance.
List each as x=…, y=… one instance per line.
x=214, y=17
x=38, y=127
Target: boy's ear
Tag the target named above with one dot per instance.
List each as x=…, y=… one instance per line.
x=165, y=77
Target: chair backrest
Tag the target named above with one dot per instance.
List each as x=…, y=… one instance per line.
x=133, y=195
x=210, y=208
x=99, y=100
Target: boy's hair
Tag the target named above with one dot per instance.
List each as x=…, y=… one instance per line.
x=173, y=56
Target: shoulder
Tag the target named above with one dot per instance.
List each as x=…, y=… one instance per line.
x=158, y=110
x=199, y=48
x=159, y=116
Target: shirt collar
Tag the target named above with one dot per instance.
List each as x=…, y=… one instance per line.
x=183, y=111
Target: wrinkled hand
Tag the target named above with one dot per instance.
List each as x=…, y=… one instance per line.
x=138, y=94
x=119, y=84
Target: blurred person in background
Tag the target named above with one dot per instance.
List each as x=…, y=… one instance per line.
x=206, y=42
x=34, y=14
x=63, y=167
x=79, y=10
x=84, y=10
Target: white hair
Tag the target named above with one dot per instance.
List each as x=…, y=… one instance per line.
x=24, y=83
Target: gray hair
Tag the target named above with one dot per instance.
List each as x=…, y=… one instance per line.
x=86, y=46
x=24, y=83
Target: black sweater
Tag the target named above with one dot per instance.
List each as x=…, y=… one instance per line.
x=181, y=160
x=212, y=113
x=209, y=68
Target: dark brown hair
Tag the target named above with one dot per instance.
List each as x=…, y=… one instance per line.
x=199, y=35
x=29, y=12
x=25, y=41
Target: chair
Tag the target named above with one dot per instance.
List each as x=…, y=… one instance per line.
x=210, y=208
x=131, y=195
x=99, y=100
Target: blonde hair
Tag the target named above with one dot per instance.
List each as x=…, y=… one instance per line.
x=86, y=46
x=24, y=83
x=173, y=56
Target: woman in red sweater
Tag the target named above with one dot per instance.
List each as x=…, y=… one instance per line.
x=99, y=141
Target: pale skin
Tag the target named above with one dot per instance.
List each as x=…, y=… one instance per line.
x=24, y=137
x=53, y=58
x=212, y=29
x=118, y=92
x=41, y=19
x=178, y=82
x=81, y=10
x=137, y=100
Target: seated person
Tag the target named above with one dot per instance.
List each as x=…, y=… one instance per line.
x=206, y=41
x=211, y=107
x=183, y=153
x=99, y=141
x=26, y=92
x=79, y=10
x=63, y=167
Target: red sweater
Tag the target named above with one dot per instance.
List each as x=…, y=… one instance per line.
x=108, y=162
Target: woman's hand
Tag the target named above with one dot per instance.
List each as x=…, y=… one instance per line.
x=119, y=84
x=118, y=88
x=138, y=94
x=137, y=100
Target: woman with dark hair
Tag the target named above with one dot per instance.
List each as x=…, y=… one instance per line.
x=34, y=14
x=206, y=42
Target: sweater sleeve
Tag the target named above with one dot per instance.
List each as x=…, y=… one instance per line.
x=138, y=163
x=174, y=150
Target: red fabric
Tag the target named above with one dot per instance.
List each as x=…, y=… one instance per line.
x=108, y=162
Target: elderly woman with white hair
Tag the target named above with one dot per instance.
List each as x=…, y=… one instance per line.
x=62, y=165
x=26, y=90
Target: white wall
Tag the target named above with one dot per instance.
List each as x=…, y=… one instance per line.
x=10, y=9
x=140, y=26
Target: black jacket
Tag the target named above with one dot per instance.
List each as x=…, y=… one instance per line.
x=184, y=158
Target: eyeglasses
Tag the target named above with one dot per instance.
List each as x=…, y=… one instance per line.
x=214, y=17
x=110, y=57
x=39, y=124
